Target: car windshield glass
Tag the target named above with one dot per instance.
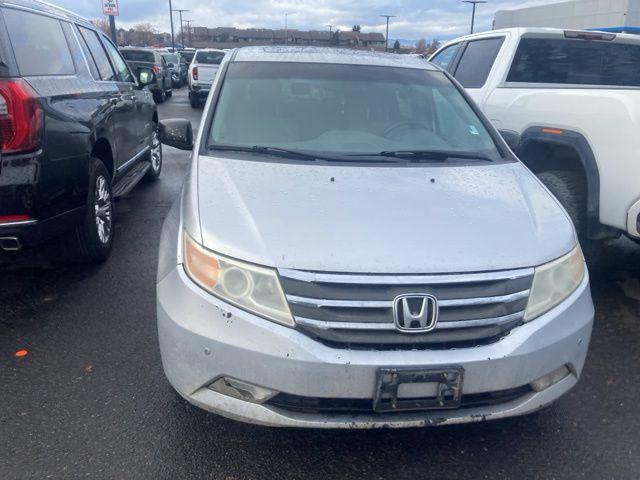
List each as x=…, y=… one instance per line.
x=187, y=56
x=209, y=58
x=346, y=110
x=171, y=58
x=138, y=56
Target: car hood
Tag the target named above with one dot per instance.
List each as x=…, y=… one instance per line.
x=361, y=218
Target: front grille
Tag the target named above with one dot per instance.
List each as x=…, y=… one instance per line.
x=364, y=406
x=357, y=310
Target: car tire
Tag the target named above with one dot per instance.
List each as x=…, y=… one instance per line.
x=169, y=93
x=92, y=240
x=193, y=100
x=570, y=190
x=155, y=156
x=159, y=96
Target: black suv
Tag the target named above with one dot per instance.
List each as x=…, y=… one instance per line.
x=77, y=129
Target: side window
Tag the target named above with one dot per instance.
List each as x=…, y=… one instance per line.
x=444, y=58
x=39, y=44
x=122, y=70
x=99, y=55
x=476, y=62
x=93, y=68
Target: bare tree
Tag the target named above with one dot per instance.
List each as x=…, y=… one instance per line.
x=102, y=24
x=144, y=33
x=421, y=45
x=433, y=46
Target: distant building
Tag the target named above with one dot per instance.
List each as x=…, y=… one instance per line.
x=224, y=37
x=606, y=15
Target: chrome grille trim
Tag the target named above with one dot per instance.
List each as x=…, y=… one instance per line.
x=462, y=302
x=484, y=322
x=356, y=310
x=373, y=279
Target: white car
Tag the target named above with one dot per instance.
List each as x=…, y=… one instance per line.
x=202, y=71
x=568, y=104
x=357, y=247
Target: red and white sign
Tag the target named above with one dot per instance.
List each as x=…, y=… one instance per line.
x=110, y=7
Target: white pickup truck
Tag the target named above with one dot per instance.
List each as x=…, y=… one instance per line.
x=568, y=104
x=202, y=72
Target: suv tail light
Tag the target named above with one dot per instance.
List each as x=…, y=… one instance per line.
x=195, y=73
x=20, y=117
x=156, y=69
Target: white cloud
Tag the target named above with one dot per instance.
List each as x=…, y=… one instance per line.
x=415, y=18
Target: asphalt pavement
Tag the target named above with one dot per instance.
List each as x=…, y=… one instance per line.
x=89, y=399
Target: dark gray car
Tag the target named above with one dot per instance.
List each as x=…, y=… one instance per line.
x=138, y=58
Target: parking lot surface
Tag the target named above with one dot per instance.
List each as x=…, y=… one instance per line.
x=89, y=399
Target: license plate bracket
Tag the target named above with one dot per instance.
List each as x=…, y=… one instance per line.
x=447, y=382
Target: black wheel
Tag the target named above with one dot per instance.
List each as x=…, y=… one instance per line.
x=571, y=191
x=193, y=100
x=169, y=93
x=159, y=96
x=155, y=157
x=93, y=238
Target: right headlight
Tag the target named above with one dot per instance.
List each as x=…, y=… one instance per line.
x=554, y=282
x=247, y=286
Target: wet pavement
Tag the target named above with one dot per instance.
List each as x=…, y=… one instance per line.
x=89, y=400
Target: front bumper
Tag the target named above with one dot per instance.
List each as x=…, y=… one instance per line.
x=203, y=339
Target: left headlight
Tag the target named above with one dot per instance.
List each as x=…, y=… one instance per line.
x=250, y=287
x=554, y=282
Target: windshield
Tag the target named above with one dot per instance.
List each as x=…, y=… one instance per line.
x=138, y=55
x=209, y=58
x=187, y=56
x=345, y=109
x=171, y=58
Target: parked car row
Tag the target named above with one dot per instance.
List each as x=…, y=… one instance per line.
x=78, y=128
x=357, y=243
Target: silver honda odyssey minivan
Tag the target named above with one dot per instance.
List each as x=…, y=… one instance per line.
x=356, y=247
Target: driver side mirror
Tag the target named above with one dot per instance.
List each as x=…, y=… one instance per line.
x=146, y=77
x=177, y=133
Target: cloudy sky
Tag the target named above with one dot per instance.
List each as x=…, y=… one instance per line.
x=415, y=18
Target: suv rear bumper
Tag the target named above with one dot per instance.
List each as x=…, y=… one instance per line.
x=203, y=339
x=34, y=232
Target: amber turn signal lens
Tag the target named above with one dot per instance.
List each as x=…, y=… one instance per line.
x=201, y=267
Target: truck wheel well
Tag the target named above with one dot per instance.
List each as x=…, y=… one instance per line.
x=540, y=156
x=102, y=150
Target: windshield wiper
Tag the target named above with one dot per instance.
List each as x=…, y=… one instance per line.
x=286, y=153
x=434, y=155
x=277, y=151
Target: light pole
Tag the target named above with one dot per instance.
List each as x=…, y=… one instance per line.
x=173, y=42
x=386, y=38
x=473, y=12
x=179, y=10
x=286, y=26
x=189, y=22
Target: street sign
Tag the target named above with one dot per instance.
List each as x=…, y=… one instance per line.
x=110, y=7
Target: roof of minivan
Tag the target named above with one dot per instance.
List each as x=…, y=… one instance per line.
x=50, y=9
x=327, y=55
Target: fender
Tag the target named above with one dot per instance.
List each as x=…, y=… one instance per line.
x=577, y=141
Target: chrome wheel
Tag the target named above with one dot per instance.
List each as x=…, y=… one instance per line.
x=156, y=152
x=103, y=210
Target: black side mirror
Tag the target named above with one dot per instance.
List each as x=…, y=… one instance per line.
x=177, y=132
x=170, y=65
x=511, y=138
x=146, y=76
